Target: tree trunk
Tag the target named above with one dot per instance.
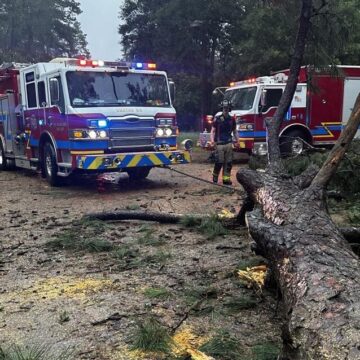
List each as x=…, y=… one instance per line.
x=315, y=268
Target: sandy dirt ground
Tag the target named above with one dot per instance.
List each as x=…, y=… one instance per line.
x=93, y=302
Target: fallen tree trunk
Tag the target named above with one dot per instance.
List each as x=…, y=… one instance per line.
x=316, y=270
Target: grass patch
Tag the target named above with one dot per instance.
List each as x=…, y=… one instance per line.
x=85, y=235
x=190, y=221
x=160, y=258
x=210, y=226
x=236, y=304
x=151, y=336
x=64, y=317
x=127, y=257
x=224, y=346
x=34, y=352
x=354, y=214
x=68, y=241
x=157, y=293
x=265, y=351
x=148, y=238
x=195, y=294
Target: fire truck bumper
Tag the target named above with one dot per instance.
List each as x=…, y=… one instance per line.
x=115, y=162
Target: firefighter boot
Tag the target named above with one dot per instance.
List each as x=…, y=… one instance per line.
x=226, y=180
x=226, y=174
x=216, y=172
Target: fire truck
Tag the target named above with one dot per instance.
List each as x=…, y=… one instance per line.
x=76, y=115
x=319, y=110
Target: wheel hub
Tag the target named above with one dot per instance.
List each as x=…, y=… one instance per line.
x=48, y=164
x=297, y=146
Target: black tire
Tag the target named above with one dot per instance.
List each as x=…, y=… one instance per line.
x=3, y=161
x=49, y=165
x=293, y=143
x=138, y=173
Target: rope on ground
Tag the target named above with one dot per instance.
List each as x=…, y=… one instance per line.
x=228, y=188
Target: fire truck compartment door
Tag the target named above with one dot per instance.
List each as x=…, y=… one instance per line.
x=7, y=116
x=351, y=91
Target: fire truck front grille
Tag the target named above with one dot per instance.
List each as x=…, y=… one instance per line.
x=132, y=132
x=134, y=142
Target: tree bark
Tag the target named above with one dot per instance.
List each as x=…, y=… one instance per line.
x=314, y=266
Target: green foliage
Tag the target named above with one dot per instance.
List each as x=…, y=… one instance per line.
x=159, y=258
x=190, y=221
x=127, y=257
x=149, y=238
x=82, y=236
x=34, y=352
x=346, y=180
x=234, y=305
x=212, y=227
x=55, y=32
x=157, y=293
x=224, y=346
x=151, y=336
x=265, y=351
x=354, y=214
x=64, y=317
x=194, y=294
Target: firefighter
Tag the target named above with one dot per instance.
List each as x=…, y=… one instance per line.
x=221, y=136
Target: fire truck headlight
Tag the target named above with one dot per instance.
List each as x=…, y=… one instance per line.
x=102, y=123
x=78, y=134
x=92, y=134
x=159, y=132
x=102, y=134
x=168, y=132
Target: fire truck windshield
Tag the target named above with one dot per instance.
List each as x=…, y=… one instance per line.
x=241, y=99
x=91, y=88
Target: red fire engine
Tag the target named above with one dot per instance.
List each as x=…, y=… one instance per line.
x=320, y=108
x=75, y=115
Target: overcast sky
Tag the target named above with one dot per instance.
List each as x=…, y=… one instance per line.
x=100, y=22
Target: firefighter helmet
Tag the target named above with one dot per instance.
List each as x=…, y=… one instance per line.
x=226, y=104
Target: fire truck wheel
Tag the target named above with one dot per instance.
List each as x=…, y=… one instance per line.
x=292, y=143
x=3, y=161
x=138, y=173
x=50, y=166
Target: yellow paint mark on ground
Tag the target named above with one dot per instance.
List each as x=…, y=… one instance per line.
x=53, y=288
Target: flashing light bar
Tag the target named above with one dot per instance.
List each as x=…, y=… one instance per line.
x=100, y=63
x=278, y=78
x=144, y=66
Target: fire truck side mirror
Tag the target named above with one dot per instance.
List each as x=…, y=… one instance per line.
x=263, y=98
x=172, y=90
x=54, y=90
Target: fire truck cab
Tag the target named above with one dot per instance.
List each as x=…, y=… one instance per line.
x=82, y=115
x=319, y=110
